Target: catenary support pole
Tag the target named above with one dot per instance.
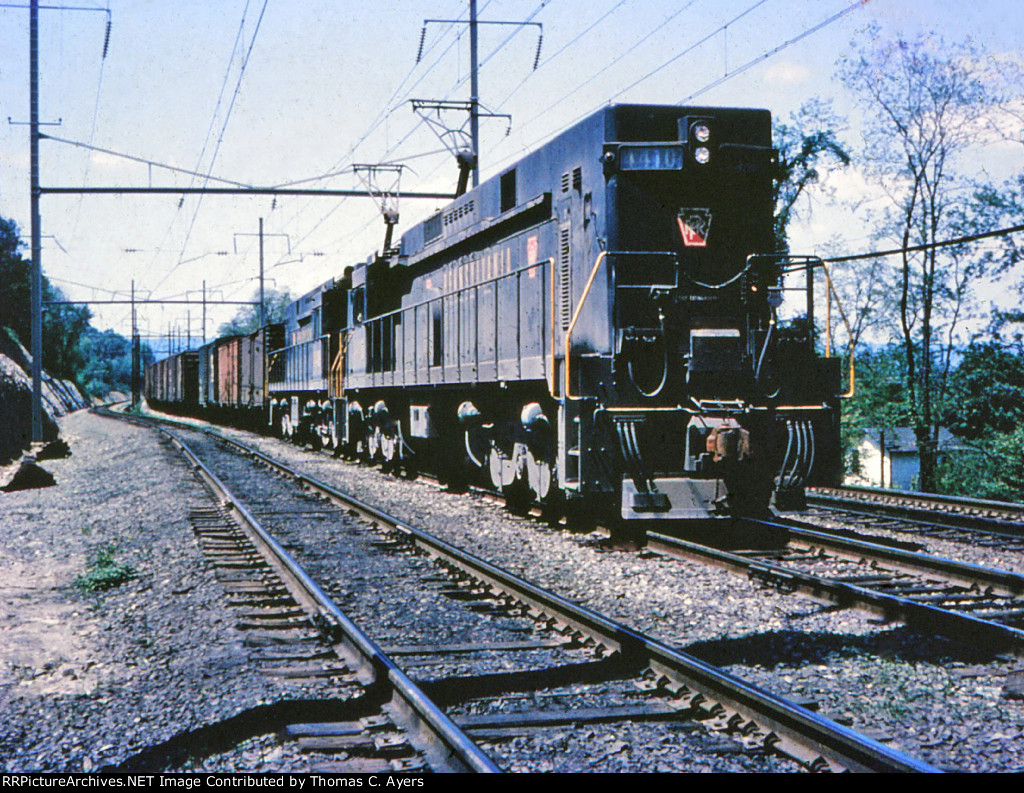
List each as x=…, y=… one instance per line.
x=37, y=264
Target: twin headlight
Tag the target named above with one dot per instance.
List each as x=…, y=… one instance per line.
x=665, y=156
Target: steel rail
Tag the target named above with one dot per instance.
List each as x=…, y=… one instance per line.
x=963, y=513
x=445, y=745
x=1004, y=582
x=920, y=616
x=742, y=707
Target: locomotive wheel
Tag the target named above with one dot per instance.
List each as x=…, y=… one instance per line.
x=373, y=444
x=553, y=507
x=543, y=484
x=389, y=450
x=518, y=497
x=316, y=440
x=539, y=475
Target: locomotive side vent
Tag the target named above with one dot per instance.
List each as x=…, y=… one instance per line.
x=459, y=212
x=572, y=180
x=432, y=228
x=564, y=272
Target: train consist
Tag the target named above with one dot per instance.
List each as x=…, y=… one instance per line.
x=594, y=330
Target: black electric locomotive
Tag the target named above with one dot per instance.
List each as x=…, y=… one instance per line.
x=593, y=330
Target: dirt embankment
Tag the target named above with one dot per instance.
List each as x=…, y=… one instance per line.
x=59, y=398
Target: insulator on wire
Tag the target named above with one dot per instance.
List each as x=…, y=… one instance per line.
x=423, y=38
x=536, y=58
x=106, y=41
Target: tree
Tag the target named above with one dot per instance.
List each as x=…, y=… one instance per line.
x=986, y=394
x=248, y=317
x=926, y=103
x=806, y=146
x=62, y=325
x=107, y=360
x=15, y=283
x=1003, y=207
x=878, y=402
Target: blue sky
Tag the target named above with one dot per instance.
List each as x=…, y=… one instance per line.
x=326, y=85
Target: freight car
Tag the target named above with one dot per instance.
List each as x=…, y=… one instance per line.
x=594, y=330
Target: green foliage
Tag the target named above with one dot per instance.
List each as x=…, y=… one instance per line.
x=879, y=400
x=72, y=348
x=992, y=468
x=986, y=407
x=104, y=572
x=924, y=101
x=62, y=325
x=986, y=393
x=248, y=317
x=107, y=363
x=15, y=282
x=806, y=146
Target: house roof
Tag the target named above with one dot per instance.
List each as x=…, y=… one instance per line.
x=901, y=440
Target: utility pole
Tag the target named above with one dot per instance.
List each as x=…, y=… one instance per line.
x=454, y=138
x=263, y=318
x=204, y=313
x=474, y=92
x=135, y=352
x=37, y=247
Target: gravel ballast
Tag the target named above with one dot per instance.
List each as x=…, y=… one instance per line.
x=952, y=706
x=89, y=679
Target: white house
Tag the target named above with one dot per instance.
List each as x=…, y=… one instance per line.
x=889, y=458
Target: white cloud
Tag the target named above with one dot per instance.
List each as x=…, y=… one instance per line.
x=786, y=73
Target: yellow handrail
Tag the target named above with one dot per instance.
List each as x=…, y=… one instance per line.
x=849, y=331
x=572, y=323
x=550, y=375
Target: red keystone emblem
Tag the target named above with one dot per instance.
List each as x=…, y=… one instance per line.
x=695, y=224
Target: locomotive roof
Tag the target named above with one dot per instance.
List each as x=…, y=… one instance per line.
x=483, y=207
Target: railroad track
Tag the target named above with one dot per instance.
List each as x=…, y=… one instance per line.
x=296, y=631
x=999, y=524
x=666, y=685
x=977, y=605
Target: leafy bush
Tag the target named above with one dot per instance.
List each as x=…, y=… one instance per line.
x=104, y=572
